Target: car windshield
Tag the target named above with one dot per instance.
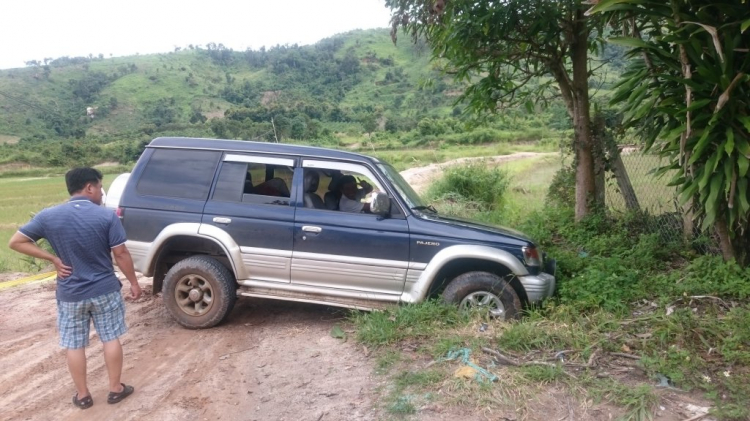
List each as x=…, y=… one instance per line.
x=404, y=189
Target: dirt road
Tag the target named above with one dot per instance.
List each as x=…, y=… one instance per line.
x=272, y=360
x=420, y=178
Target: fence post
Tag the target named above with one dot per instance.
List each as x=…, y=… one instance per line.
x=623, y=181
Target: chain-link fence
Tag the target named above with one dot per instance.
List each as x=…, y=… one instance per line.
x=654, y=198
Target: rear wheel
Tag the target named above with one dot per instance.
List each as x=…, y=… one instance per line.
x=484, y=291
x=199, y=292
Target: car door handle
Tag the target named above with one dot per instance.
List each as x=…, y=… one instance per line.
x=220, y=220
x=308, y=228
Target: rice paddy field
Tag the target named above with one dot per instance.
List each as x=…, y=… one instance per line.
x=20, y=198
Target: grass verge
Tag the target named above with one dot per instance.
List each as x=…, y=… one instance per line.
x=638, y=323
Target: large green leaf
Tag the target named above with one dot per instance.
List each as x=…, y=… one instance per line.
x=742, y=195
x=745, y=25
x=629, y=42
x=718, y=153
x=644, y=109
x=746, y=122
x=742, y=145
x=711, y=204
x=677, y=180
x=675, y=133
x=707, y=171
x=742, y=165
x=699, y=104
x=729, y=147
x=609, y=6
x=700, y=146
x=690, y=189
x=728, y=169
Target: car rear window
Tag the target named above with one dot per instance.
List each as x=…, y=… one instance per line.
x=179, y=173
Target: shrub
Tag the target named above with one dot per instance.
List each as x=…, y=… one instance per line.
x=562, y=189
x=474, y=183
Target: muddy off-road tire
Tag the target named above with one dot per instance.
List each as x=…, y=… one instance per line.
x=484, y=290
x=199, y=292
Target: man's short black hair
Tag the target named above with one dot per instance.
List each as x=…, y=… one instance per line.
x=346, y=180
x=77, y=178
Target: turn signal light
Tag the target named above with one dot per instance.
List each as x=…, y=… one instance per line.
x=531, y=256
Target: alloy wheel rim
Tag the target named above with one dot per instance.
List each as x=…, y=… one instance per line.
x=194, y=295
x=483, y=300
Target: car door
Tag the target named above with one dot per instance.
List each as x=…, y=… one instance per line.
x=342, y=250
x=256, y=211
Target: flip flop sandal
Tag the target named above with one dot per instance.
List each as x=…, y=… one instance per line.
x=84, y=403
x=117, y=397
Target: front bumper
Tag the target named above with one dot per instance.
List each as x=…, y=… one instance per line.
x=541, y=286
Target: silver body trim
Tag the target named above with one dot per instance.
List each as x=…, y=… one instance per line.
x=351, y=259
x=416, y=292
x=366, y=306
x=144, y=253
x=259, y=159
x=267, y=264
x=328, y=275
x=538, y=287
x=231, y=248
x=321, y=292
x=344, y=166
x=114, y=194
x=266, y=252
x=412, y=277
x=138, y=252
x=350, y=276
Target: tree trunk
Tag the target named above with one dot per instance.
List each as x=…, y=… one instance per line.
x=599, y=139
x=585, y=182
x=725, y=241
x=688, y=225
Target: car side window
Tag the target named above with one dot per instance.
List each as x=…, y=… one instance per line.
x=184, y=174
x=336, y=189
x=254, y=182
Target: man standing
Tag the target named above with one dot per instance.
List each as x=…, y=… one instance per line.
x=82, y=234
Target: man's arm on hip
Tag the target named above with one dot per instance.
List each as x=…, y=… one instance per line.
x=27, y=246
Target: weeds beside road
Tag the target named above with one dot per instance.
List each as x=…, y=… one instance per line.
x=638, y=323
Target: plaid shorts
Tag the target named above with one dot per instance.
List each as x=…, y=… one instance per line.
x=74, y=319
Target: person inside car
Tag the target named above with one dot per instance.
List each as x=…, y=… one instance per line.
x=351, y=196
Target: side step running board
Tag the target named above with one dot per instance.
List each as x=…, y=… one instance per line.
x=346, y=302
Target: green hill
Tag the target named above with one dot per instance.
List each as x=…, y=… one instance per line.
x=355, y=90
x=343, y=79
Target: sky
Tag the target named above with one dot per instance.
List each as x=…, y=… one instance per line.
x=35, y=29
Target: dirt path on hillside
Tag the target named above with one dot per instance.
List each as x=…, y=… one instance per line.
x=420, y=178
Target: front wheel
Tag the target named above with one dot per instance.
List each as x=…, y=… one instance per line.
x=484, y=291
x=199, y=292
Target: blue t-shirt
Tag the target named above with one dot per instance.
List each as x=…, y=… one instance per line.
x=82, y=234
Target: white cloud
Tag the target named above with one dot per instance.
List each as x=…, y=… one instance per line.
x=35, y=29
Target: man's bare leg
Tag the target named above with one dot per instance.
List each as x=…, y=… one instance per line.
x=77, y=367
x=113, y=360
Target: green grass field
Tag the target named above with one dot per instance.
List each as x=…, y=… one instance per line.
x=20, y=198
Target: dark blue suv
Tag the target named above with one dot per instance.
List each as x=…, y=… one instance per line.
x=214, y=219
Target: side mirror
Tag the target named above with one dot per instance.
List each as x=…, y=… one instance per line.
x=380, y=204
